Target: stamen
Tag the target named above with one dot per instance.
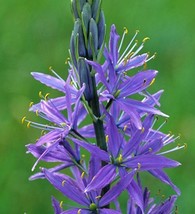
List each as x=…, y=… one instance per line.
x=107, y=138
x=82, y=175
x=98, y=197
x=46, y=96
x=63, y=182
x=152, y=57
x=51, y=69
x=37, y=112
x=40, y=94
x=172, y=150
x=145, y=39
x=31, y=104
x=79, y=211
x=61, y=204
x=153, y=80
x=23, y=119
x=67, y=60
x=123, y=36
x=28, y=124
x=128, y=46
x=125, y=128
x=138, y=166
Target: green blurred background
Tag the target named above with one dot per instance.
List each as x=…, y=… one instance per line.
x=35, y=34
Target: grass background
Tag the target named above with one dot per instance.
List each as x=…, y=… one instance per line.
x=35, y=34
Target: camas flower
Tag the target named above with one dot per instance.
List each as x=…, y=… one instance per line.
x=50, y=111
x=140, y=152
x=140, y=202
x=117, y=86
x=91, y=202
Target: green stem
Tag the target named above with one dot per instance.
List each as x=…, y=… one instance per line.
x=99, y=128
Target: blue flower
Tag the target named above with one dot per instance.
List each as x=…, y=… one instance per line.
x=92, y=201
x=116, y=86
x=140, y=152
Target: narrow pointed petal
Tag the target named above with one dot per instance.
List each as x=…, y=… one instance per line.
x=114, y=139
x=143, y=107
x=149, y=162
x=135, y=117
x=56, y=206
x=158, y=173
x=136, y=194
x=93, y=149
x=50, y=81
x=113, y=44
x=108, y=211
x=133, y=63
x=98, y=68
x=115, y=191
x=65, y=185
x=105, y=176
x=137, y=83
x=165, y=207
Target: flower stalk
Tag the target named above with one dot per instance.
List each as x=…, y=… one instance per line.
x=126, y=141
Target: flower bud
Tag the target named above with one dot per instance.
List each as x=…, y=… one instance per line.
x=85, y=77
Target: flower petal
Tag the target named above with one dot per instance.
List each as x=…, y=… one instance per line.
x=105, y=176
x=67, y=187
x=50, y=81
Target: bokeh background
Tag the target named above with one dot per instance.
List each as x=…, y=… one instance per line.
x=35, y=34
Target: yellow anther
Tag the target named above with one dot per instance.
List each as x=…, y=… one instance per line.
x=125, y=30
x=67, y=60
x=130, y=55
x=150, y=149
x=136, y=41
x=71, y=83
x=137, y=31
x=28, y=125
x=30, y=104
x=185, y=145
x=23, y=120
x=120, y=159
x=79, y=211
x=83, y=174
x=107, y=138
x=63, y=182
x=145, y=39
x=153, y=80
x=37, y=112
x=83, y=156
x=46, y=96
x=40, y=94
x=143, y=129
x=98, y=197
x=138, y=166
x=42, y=132
x=145, y=65
x=125, y=128
x=163, y=196
x=61, y=204
x=50, y=68
x=63, y=124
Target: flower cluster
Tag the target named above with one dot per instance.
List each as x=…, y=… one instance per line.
x=121, y=139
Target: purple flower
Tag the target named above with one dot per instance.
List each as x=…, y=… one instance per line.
x=117, y=86
x=75, y=190
x=141, y=202
x=140, y=152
